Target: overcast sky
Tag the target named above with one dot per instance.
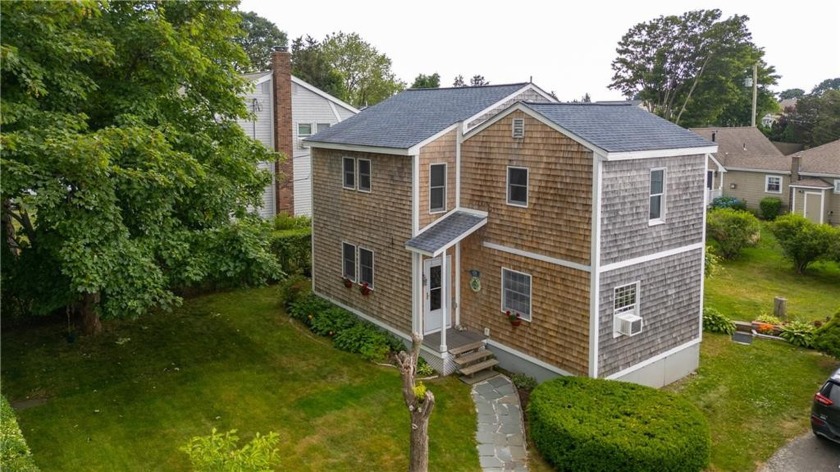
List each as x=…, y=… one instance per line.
x=566, y=47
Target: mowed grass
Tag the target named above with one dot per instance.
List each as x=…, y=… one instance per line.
x=129, y=398
x=746, y=286
x=755, y=397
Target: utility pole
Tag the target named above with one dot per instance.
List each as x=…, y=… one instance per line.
x=755, y=92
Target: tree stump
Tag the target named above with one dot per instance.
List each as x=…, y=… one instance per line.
x=780, y=307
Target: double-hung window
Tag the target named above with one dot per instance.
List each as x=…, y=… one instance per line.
x=349, y=171
x=773, y=184
x=356, y=174
x=348, y=257
x=366, y=266
x=437, y=188
x=364, y=175
x=516, y=293
x=626, y=299
x=657, y=196
x=517, y=186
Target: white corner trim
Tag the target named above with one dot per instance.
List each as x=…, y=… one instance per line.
x=365, y=317
x=624, y=156
x=539, y=257
x=595, y=275
x=415, y=194
x=323, y=94
x=650, y=257
x=653, y=359
x=528, y=358
x=458, y=139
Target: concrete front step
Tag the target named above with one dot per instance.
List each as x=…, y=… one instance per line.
x=466, y=348
x=465, y=359
x=478, y=367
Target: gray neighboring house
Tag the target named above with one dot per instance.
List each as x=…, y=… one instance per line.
x=439, y=211
x=287, y=110
x=815, y=190
x=747, y=166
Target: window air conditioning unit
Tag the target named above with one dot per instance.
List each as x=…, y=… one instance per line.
x=629, y=324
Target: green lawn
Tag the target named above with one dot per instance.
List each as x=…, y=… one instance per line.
x=755, y=397
x=128, y=399
x=746, y=286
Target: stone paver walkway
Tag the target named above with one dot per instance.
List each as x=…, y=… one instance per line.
x=501, y=435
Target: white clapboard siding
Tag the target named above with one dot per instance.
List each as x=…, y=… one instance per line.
x=259, y=103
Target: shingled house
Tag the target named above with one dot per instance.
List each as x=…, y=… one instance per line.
x=457, y=207
x=815, y=186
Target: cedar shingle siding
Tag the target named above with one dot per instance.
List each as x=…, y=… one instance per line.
x=625, y=232
x=670, y=302
x=439, y=151
x=379, y=221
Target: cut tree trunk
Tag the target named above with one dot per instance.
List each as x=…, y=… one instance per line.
x=419, y=408
x=90, y=323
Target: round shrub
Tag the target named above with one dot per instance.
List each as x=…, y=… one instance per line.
x=733, y=230
x=716, y=322
x=770, y=207
x=827, y=337
x=583, y=424
x=728, y=202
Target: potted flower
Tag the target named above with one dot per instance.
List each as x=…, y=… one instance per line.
x=514, y=318
x=347, y=282
x=365, y=289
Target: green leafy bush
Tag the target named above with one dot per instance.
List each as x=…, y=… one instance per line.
x=424, y=369
x=733, y=230
x=768, y=318
x=798, y=333
x=285, y=221
x=770, y=207
x=220, y=453
x=14, y=452
x=525, y=382
x=332, y=321
x=365, y=339
x=293, y=250
x=728, y=202
x=293, y=288
x=716, y=322
x=804, y=241
x=307, y=307
x=584, y=424
x=711, y=262
x=827, y=337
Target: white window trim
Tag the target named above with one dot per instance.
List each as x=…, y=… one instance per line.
x=344, y=173
x=359, y=176
x=767, y=183
x=504, y=309
x=663, y=196
x=355, y=261
x=521, y=128
x=311, y=129
x=636, y=310
x=527, y=187
x=372, y=265
x=836, y=185
x=433, y=211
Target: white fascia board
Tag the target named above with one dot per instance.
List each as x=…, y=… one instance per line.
x=416, y=148
x=262, y=79
x=761, y=171
x=320, y=92
x=811, y=187
x=357, y=148
x=628, y=155
x=717, y=162
x=814, y=174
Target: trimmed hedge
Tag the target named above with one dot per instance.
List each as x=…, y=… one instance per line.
x=770, y=207
x=15, y=455
x=584, y=424
x=293, y=250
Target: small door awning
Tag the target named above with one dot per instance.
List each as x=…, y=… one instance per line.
x=446, y=232
x=812, y=183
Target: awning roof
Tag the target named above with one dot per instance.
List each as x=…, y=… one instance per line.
x=812, y=183
x=446, y=232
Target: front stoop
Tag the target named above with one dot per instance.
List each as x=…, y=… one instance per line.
x=474, y=362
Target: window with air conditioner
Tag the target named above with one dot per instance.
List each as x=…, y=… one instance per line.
x=626, y=319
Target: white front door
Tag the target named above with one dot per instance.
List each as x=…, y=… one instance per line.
x=433, y=309
x=813, y=206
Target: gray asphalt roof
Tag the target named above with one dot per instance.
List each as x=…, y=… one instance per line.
x=414, y=115
x=444, y=232
x=619, y=128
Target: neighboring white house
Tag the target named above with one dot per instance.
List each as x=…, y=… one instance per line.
x=312, y=110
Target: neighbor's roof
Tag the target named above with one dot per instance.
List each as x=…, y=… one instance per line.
x=412, y=116
x=823, y=159
x=745, y=147
x=618, y=127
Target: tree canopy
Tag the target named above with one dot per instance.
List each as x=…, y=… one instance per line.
x=427, y=81
x=475, y=81
x=259, y=38
x=791, y=93
x=310, y=64
x=691, y=69
x=814, y=121
x=122, y=159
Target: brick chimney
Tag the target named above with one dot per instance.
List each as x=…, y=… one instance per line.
x=281, y=69
x=795, y=162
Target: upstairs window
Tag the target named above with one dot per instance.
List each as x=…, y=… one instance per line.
x=348, y=255
x=773, y=184
x=364, y=175
x=349, y=173
x=304, y=129
x=518, y=128
x=657, y=196
x=517, y=186
x=366, y=267
x=437, y=188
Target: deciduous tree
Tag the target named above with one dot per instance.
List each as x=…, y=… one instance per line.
x=122, y=160
x=310, y=64
x=259, y=37
x=427, y=81
x=791, y=93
